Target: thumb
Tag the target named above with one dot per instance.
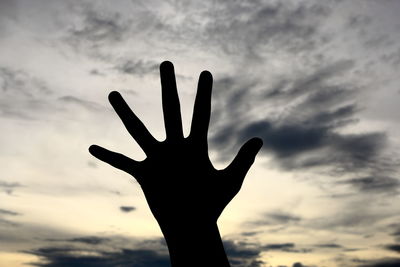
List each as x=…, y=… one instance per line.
x=244, y=159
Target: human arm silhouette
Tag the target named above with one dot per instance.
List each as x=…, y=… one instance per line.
x=185, y=193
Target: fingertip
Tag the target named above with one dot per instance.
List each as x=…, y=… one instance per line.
x=255, y=143
x=206, y=74
x=258, y=142
x=92, y=149
x=166, y=65
x=97, y=151
x=246, y=156
x=114, y=95
x=253, y=146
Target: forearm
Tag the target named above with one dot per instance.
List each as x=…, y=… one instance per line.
x=197, y=244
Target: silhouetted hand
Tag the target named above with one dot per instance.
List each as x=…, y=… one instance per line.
x=184, y=191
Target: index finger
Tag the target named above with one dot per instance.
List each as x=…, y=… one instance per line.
x=132, y=123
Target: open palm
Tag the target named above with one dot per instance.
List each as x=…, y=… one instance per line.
x=177, y=176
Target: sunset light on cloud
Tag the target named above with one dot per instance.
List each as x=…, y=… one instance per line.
x=318, y=81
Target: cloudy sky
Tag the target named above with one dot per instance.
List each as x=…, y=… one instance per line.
x=317, y=80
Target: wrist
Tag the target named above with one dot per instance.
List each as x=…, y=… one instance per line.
x=194, y=244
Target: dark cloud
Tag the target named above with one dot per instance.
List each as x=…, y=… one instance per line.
x=62, y=257
x=286, y=140
x=385, y=262
x=96, y=251
x=88, y=240
x=397, y=233
x=393, y=247
x=127, y=208
x=299, y=264
x=302, y=125
x=101, y=251
x=137, y=67
x=242, y=254
x=298, y=145
x=91, y=240
x=282, y=246
x=310, y=129
x=308, y=126
x=328, y=245
x=286, y=247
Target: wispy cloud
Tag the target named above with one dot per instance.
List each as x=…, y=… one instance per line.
x=21, y=93
x=21, y=83
x=7, y=213
x=9, y=187
x=375, y=183
x=247, y=28
x=286, y=247
x=80, y=102
x=277, y=218
x=138, y=67
x=93, y=31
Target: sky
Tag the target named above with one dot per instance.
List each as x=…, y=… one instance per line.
x=318, y=81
